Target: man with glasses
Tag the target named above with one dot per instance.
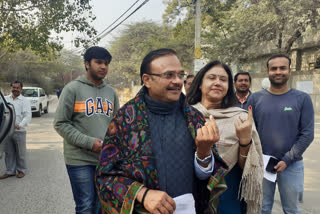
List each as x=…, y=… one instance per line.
x=155, y=145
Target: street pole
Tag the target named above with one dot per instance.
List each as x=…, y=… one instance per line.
x=197, y=53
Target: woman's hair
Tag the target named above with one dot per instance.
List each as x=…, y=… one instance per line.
x=194, y=95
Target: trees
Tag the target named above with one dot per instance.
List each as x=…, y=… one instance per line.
x=136, y=40
x=32, y=23
x=235, y=30
x=265, y=26
x=34, y=70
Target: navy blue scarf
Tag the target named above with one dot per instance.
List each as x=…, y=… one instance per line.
x=172, y=146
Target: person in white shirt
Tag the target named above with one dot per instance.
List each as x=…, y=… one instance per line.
x=15, y=145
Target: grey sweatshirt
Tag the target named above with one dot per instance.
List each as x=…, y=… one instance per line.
x=83, y=114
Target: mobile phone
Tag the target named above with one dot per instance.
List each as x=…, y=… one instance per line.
x=271, y=164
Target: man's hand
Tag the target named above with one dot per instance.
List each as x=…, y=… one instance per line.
x=17, y=127
x=206, y=137
x=97, y=146
x=280, y=166
x=157, y=202
x=244, y=128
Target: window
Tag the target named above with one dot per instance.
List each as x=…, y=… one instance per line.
x=30, y=92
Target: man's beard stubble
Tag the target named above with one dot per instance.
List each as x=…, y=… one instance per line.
x=94, y=76
x=240, y=91
x=278, y=84
x=15, y=93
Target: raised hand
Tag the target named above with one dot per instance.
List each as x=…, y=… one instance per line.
x=244, y=128
x=206, y=137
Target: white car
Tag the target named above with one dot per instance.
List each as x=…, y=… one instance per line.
x=38, y=100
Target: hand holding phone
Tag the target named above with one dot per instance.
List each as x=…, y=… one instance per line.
x=271, y=164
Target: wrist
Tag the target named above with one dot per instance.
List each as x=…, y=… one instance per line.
x=203, y=155
x=245, y=143
x=144, y=196
x=140, y=194
x=203, y=161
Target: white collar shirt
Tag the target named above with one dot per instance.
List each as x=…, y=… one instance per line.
x=22, y=108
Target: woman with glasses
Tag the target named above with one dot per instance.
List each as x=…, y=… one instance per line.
x=212, y=93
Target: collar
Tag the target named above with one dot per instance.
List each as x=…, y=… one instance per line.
x=243, y=100
x=159, y=107
x=18, y=97
x=193, y=117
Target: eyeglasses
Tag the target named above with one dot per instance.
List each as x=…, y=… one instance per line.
x=169, y=75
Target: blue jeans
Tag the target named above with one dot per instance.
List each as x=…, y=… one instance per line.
x=290, y=185
x=83, y=188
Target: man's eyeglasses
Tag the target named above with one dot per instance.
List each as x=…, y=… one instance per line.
x=170, y=75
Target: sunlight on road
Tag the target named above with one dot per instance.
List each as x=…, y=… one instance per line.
x=44, y=146
x=311, y=181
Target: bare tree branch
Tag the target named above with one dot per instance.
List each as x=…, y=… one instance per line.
x=290, y=41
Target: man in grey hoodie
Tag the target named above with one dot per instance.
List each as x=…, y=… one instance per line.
x=86, y=107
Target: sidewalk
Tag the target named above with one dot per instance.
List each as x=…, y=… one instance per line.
x=311, y=195
x=317, y=118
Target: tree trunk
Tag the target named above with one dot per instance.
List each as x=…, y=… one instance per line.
x=290, y=41
x=280, y=41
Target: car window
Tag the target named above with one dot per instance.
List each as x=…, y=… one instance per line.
x=30, y=92
x=7, y=118
x=1, y=110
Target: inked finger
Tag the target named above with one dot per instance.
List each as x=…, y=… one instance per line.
x=250, y=113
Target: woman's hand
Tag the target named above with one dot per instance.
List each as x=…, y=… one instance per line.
x=206, y=137
x=244, y=128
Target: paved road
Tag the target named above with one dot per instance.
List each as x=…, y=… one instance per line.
x=311, y=199
x=46, y=188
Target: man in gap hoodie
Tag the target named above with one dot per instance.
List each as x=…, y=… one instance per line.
x=86, y=107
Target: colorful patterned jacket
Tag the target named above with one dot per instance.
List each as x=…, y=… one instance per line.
x=127, y=164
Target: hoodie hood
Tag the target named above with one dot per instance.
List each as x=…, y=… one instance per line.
x=85, y=80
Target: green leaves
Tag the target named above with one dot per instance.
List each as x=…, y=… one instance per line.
x=50, y=73
x=138, y=39
x=234, y=30
x=31, y=23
